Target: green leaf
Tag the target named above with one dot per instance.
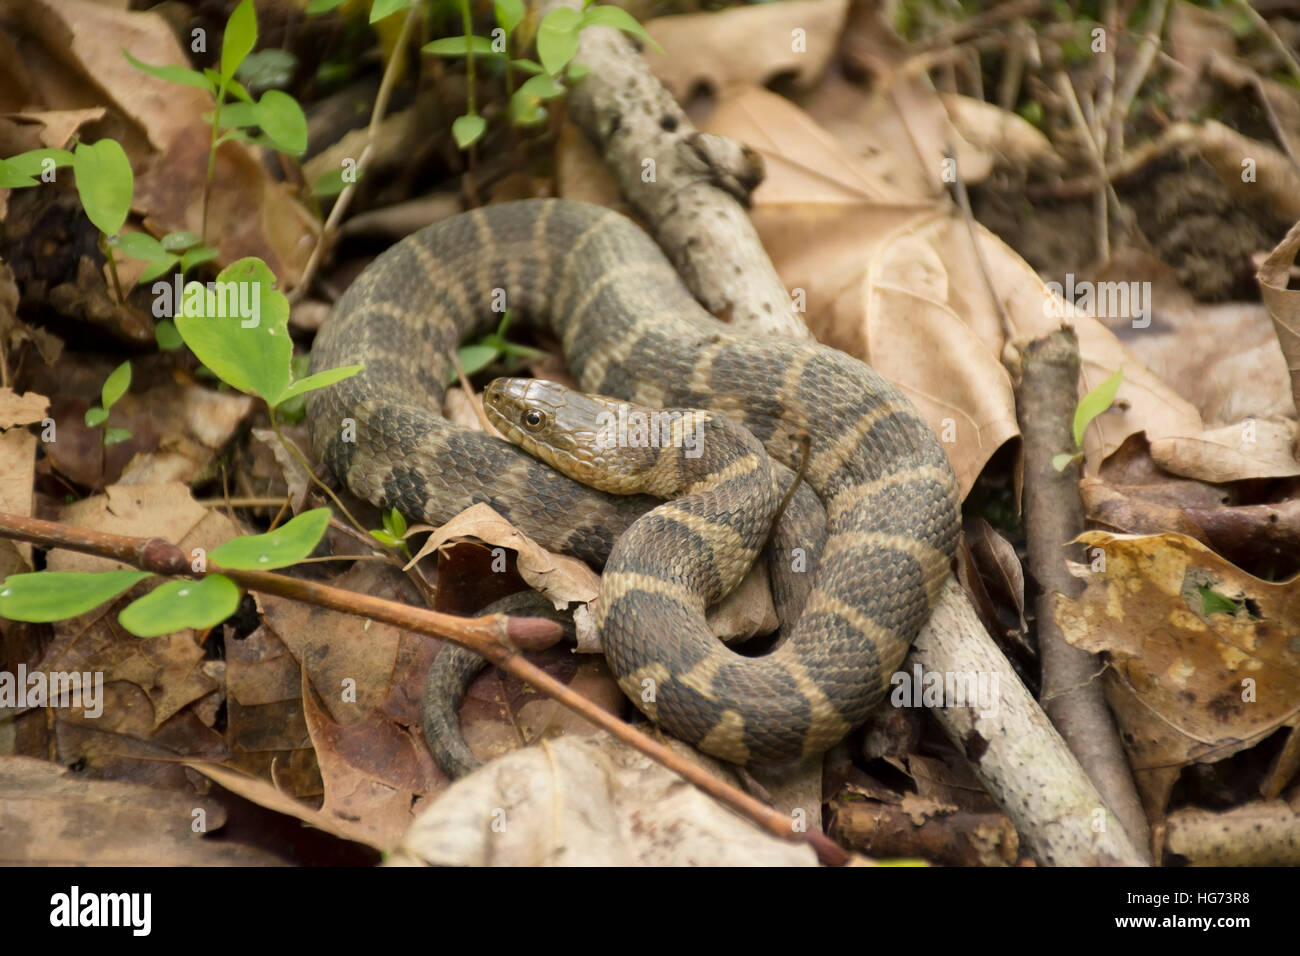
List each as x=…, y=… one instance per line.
x=557, y=38
x=113, y=436
x=156, y=269
x=55, y=595
x=1094, y=403
x=193, y=257
x=525, y=110
x=509, y=13
x=619, y=19
x=323, y=6
x=141, y=245
x=467, y=129
x=543, y=87
x=1062, y=461
x=116, y=384
x=459, y=46
x=32, y=162
x=394, y=522
x=528, y=66
x=96, y=416
x=386, y=537
x=177, y=605
x=286, y=545
x=105, y=183
x=11, y=177
x=576, y=71
x=235, y=116
x=239, y=39
x=282, y=120
x=320, y=380
x=1212, y=602
x=166, y=335
x=329, y=184
x=240, y=328
x=473, y=359
x=268, y=69
x=386, y=8
x=181, y=75
x=179, y=241
x=233, y=86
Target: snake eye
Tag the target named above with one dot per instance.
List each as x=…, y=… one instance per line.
x=533, y=419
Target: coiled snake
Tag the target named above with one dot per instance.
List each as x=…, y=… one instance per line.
x=630, y=329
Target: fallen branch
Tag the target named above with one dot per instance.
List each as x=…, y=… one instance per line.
x=497, y=637
x=1071, y=693
x=690, y=188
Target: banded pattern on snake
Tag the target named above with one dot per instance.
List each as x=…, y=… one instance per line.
x=630, y=329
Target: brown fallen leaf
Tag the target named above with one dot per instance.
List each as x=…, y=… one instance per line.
x=750, y=44
x=1204, y=658
x=586, y=801
x=562, y=579
x=25, y=409
x=895, y=281
x=1283, y=304
x=53, y=817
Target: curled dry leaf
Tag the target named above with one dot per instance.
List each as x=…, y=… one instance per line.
x=562, y=579
x=589, y=801
x=1204, y=658
x=1016, y=142
x=894, y=280
x=749, y=44
x=1283, y=304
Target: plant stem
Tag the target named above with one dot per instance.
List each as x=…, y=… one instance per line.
x=213, y=145
x=293, y=449
x=112, y=269
x=345, y=198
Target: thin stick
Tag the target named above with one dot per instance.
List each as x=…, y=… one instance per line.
x=497, y=637
x=345, y=198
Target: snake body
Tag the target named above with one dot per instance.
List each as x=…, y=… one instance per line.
x=630, y=329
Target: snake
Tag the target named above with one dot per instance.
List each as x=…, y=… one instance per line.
x=632, y=332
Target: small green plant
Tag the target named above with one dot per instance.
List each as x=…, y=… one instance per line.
x=57, y=595
x=1089, y=407
x=115, y=386
x=281, y=120
x=476, y=356
x=393, y=534
x=557, y=43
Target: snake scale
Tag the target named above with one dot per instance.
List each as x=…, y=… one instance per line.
x=630, y=329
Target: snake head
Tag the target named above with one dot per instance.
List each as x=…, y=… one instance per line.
x=571, y=431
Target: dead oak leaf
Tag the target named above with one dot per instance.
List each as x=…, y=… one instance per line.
x=1204, y=658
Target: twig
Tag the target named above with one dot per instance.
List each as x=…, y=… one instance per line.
x=1257, y=19
x=1065, y=87
x=1136, y=75
x=497, y=637
x=963, y=203
x=1071, y=693
x=345, y=197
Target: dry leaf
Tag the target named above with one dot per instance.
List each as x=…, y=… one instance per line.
x=84, y=822
x=25, y=409
x=562, y=579
x=896, y=282
x=1190, y=679
x=1283, y=304
x=586, y=802
x=750, y=44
